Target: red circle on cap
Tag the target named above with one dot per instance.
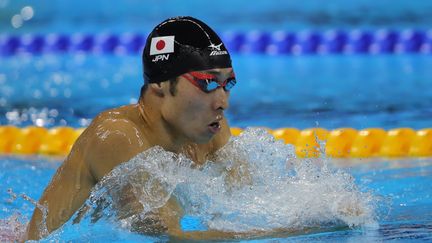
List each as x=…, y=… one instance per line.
x=160, y=45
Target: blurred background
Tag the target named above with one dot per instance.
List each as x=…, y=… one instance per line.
x=301, y=64
x=142, y=16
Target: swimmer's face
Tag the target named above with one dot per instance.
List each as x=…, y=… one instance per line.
x=194, y=113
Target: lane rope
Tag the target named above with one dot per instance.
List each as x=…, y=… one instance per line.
x=306, y=42
x=311, y=142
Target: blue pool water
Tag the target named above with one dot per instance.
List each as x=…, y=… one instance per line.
x=328, y=91
x=404, y=210
x=135, y=15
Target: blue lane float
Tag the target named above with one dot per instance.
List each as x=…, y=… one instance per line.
x=253, y=42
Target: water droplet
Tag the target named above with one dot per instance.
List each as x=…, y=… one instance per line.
x=17, y=21
x=27, y=13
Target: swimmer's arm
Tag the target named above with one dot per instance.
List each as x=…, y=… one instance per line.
x=99, y=149
x=68, y=189
x=115, y=141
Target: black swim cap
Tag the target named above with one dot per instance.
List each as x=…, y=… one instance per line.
x=180, y=45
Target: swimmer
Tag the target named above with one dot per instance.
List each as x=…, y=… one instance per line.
x=188, y=76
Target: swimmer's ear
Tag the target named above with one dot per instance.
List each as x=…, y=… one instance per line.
x=157, y=88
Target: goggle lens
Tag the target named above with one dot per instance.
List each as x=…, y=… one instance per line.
x=211, y=85
x=208, y=83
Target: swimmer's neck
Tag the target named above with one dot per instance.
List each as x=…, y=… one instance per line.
x=156, y=130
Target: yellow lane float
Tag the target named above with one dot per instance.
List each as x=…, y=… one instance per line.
x=8, y=135
x=368, y=142
x=311, y=142
x=397, y=142
x=339, y=142
x=288, y=135
x=57, y=141
x=28, y=140
x=421, y=145
x=308, y=142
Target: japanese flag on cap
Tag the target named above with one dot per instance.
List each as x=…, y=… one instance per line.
x=162, y=45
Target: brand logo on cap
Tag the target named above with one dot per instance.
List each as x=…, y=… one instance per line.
x=216, y=50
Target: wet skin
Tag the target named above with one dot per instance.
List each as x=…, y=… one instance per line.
x=179, y=123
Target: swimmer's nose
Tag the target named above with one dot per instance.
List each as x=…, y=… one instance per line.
x=221, y=101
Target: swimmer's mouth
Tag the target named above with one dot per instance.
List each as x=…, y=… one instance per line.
x=214, y=127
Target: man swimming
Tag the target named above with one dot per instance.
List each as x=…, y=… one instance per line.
x=188, y=76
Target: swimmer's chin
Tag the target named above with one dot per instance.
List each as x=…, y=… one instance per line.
x=204, y=138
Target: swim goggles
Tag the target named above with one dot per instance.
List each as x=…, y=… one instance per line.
x=208, y=82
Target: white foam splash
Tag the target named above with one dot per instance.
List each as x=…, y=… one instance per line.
x=253, y=183
x=12, y=228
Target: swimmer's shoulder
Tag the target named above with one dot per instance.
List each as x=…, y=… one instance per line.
x=126, y=112
x=115, y=124
x=113, y=137
x=122, y=119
